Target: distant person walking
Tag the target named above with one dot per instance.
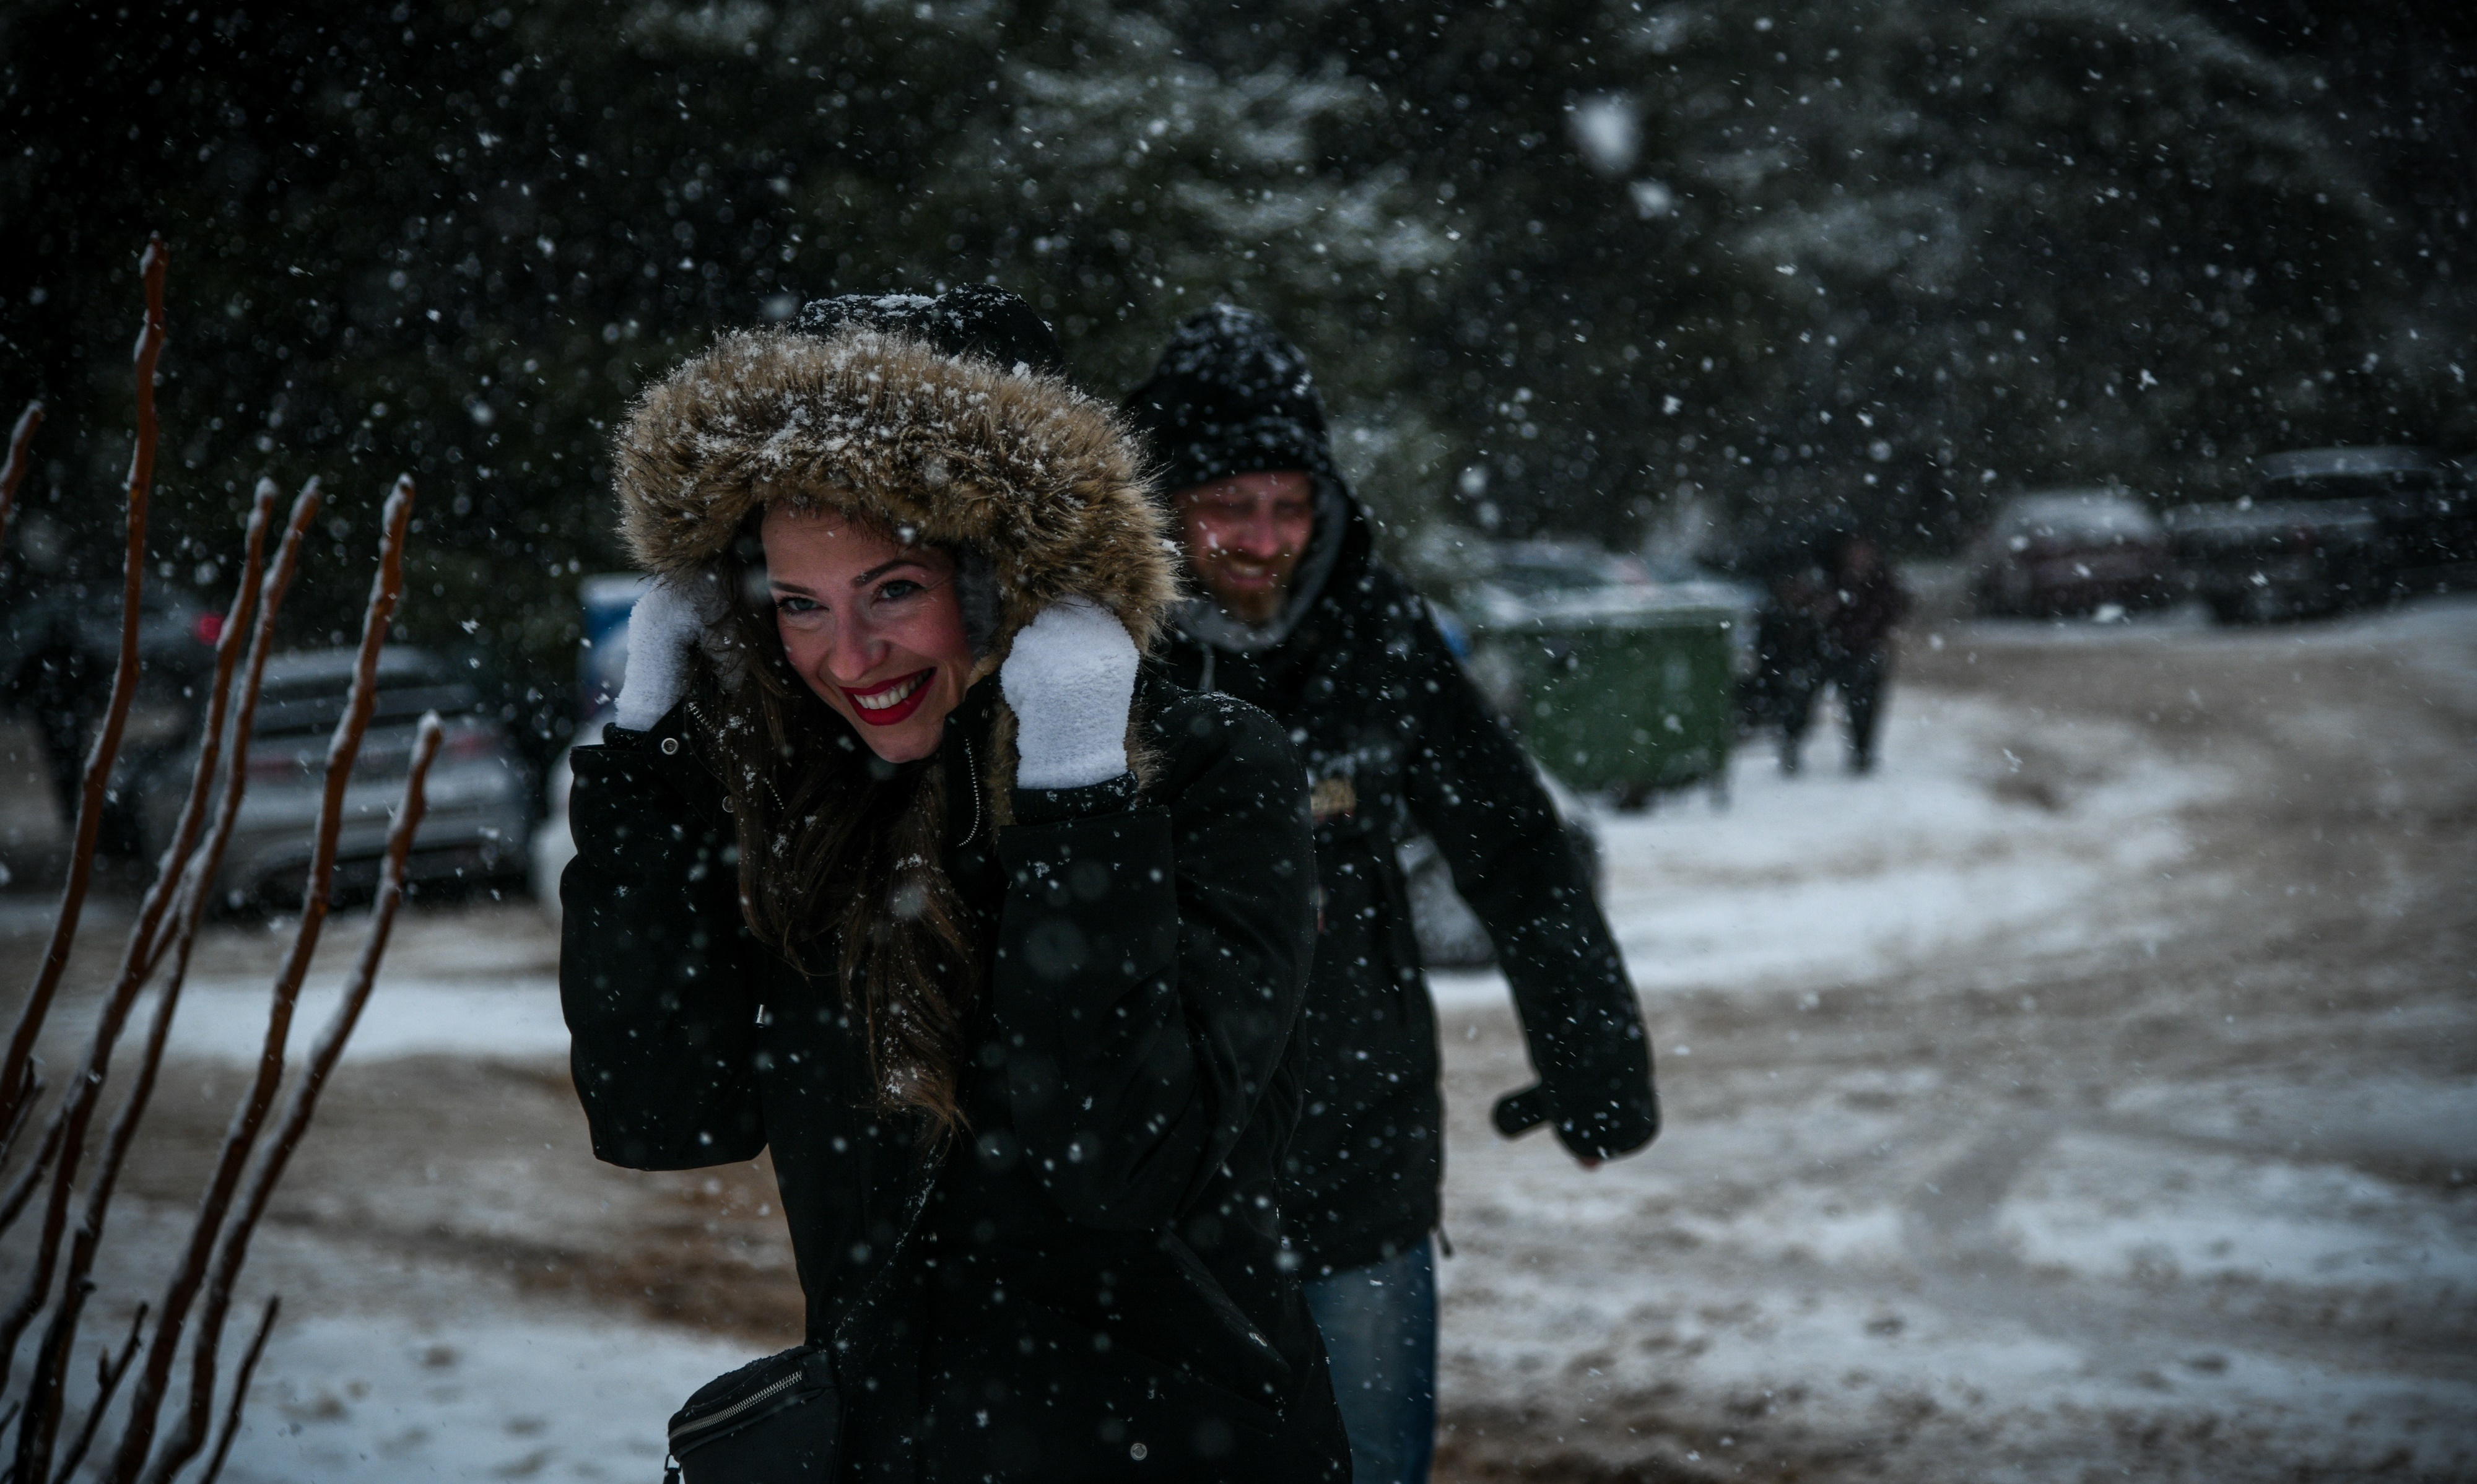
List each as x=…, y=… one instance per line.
x=1296, y=615
x=1860, y=602
x=1866, y=601
x=1789, y=658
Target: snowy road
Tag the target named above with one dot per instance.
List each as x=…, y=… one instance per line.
x=2089, y=1093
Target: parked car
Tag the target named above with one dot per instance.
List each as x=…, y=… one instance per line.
x=60, y=644
x=474, y=827
x=2328, y=529
x=2071, y=551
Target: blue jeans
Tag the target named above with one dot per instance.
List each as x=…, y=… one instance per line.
x=1380, y=1329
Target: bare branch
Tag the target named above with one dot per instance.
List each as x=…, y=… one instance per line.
x=23, y=1186
x=197, y=889
x=141, y=954
x=385, y=587
x=302, y=1105
x=15, y=469
x=107, y=1380
x=66, y=1140
x=45, y=1395
x=240, y=1391
x=124, y=688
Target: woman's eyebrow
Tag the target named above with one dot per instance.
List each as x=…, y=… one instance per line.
x=781, y=584
x=884, y=567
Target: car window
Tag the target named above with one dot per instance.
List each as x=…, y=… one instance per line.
x=2348, y=487
x=2094, y=520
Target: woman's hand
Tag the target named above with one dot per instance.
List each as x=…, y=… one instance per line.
x=666, y=624
x=1071, y=679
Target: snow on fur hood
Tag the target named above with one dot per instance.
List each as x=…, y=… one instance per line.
x=1043, y=482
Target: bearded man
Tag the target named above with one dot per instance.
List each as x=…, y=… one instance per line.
x=1295, y=615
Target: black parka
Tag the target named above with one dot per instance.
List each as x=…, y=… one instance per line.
x=1396, y=740
x=1089, y=1283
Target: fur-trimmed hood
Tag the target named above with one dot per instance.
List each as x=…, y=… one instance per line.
x=1042, y=483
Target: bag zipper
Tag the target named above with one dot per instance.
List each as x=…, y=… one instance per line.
x=716, y=1420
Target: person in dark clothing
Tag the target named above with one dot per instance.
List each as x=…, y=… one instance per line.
x=900, y=863
x=1788, y=659
x=1865, y=603
x=1298, y=617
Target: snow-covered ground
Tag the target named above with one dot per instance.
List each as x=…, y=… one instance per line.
x=1969, y=837
x=2088, y=1090
x=506, y=1395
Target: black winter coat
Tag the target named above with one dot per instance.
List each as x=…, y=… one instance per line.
x=1089, y=1285
x=1395, y=739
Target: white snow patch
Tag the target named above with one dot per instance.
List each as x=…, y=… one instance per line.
x=2108, y=1208
x=389, y=1398
x=515, y=1020
x=1975, y=830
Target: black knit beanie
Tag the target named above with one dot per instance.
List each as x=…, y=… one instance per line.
x=1231, y=395
x=971, y=319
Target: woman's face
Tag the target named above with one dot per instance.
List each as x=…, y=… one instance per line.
x=872, y=625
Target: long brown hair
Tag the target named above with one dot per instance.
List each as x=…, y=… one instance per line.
x=836, y=844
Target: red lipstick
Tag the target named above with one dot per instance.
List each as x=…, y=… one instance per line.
x=892, y=701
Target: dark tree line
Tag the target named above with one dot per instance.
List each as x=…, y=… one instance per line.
x=1566, y=265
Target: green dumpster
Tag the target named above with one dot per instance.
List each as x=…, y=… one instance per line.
x=1628, y=699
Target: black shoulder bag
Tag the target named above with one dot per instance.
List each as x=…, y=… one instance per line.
x=780, y=1420
x=776, y=1421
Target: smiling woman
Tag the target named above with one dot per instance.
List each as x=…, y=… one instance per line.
x=871, y=624
x=1004, y=975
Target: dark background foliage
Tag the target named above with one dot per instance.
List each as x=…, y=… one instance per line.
x=1568, y=265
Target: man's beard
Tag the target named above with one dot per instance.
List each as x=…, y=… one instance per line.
x=1257, y=607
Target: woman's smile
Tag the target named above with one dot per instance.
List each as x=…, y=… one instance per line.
x=892, y=701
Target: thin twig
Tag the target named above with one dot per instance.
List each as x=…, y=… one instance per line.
x=197, y=889
x=15, y=469
x=124, y=688
x=108, y=1375
x=13, y=1073
x=47, y=1391
x=385, y=587
x=240, y=1391
x=64, y=1142
x=302, y=1105
x=143, y=951
x=23, y=1186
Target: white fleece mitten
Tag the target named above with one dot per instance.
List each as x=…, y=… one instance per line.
x=666, y=624
x=1071, y=679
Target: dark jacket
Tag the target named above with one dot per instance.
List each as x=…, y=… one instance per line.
x=1863, y=611
x=1396, y=740
x=1098, y=1266
x=1086, y=1283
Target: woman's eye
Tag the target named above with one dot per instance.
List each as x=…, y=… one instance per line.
x=793, y=603
x=897, y=590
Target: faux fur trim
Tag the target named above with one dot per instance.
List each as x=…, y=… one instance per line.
x=1042, y=480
